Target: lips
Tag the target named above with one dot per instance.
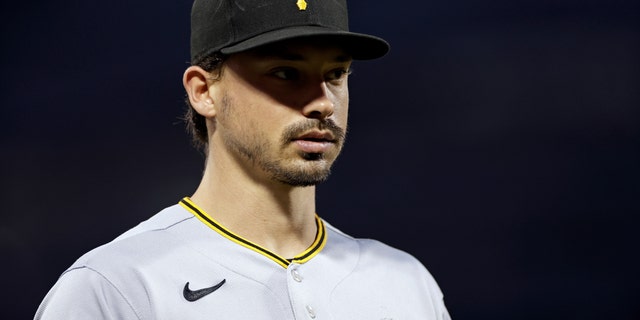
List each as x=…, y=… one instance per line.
x=317, y=136
x=315, y=141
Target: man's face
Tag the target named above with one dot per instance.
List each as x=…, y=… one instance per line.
x=283, y=113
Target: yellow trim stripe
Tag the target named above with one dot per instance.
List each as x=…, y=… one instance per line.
x=314, y=249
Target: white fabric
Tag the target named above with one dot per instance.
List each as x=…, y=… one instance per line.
x=141, y=275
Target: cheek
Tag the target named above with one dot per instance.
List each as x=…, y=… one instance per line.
x=341, y=112
x=257, y=119
x=341, y=115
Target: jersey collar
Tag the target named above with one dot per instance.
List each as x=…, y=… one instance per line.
x=303, y=257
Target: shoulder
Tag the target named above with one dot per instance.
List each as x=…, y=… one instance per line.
x=81, y=293
x=377, y=259
x=165, y=219
x=374, y=251
x=375, y=264
x=117, y=273
x=138, y=242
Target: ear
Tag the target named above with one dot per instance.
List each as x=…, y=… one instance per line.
x=196, y=83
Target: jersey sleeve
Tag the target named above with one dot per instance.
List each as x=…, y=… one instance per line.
x=438, y=298
x=430, y=288
x=83, y=293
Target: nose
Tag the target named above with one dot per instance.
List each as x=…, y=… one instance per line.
x=320, y=105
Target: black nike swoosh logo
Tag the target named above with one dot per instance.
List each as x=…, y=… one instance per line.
x=197, y=294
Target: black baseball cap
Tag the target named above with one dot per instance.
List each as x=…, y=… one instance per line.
x=232, y=26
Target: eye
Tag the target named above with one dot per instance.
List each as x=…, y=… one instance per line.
x=337, y=74
x=286, y=74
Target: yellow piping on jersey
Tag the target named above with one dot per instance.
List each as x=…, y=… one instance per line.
x=305, y=256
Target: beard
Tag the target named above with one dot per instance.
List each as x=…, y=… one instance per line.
x=300, y=170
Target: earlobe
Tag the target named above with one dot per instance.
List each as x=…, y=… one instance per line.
x=197, y=87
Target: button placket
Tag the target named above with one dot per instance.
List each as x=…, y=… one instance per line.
x=295, y=274
x=311, y=312
x=299, y=292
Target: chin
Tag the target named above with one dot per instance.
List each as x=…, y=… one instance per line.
x=309, y=173
x=305, y=181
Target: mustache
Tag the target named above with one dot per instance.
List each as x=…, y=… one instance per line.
x=293, y=131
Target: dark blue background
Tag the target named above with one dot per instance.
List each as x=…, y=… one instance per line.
x=499, y=142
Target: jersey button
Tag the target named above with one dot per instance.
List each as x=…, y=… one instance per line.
x=311, y=312
x=296, y=275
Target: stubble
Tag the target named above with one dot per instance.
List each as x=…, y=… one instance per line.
x=304, y=169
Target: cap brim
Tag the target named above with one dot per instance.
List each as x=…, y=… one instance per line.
x=359, y=46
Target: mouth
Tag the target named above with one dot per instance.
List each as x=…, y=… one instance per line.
x=315, y=141
x=317, y=136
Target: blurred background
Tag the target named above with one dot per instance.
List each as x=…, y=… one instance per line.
x=498, y=142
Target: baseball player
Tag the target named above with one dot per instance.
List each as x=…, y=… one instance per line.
x=268, y=99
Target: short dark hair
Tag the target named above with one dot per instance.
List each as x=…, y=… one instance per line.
x=195, y=122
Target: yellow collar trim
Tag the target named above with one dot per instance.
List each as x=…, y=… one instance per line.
x=305, y=256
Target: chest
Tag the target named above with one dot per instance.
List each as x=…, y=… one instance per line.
x=298, y=292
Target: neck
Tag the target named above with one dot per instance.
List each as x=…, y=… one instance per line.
x=268, y=213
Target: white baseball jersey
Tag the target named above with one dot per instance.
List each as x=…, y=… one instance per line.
x=182, y=264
